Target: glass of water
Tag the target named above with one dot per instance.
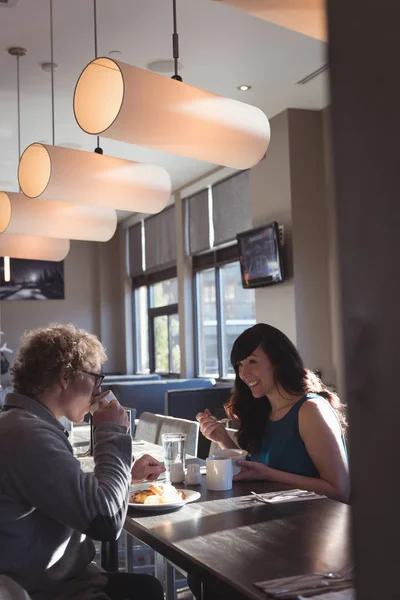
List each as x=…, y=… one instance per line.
x=173, y=445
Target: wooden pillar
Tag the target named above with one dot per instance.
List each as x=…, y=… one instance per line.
x=364, y=56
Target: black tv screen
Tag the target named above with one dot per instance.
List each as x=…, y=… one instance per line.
x=260, y=256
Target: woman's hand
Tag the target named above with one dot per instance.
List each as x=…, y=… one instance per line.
x=213, y=430
x=251, y=471
x=146, y=467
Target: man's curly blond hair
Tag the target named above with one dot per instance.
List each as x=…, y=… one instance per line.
x=50, y=352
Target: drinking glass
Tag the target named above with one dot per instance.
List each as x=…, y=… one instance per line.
x=173, y=445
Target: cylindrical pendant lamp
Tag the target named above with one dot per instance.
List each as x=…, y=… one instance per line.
x=57, y=219
x=33, y=248
x=132, y=105
x=305, y=16
x=92, y=179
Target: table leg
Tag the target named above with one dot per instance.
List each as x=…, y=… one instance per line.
x=129, y=552
x=109, y=556
x=164, y=572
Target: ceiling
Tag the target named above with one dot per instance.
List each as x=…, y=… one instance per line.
x=220, y=48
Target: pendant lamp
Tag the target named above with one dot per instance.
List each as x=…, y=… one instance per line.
x=33, y=247
x=92, y=179
x=62, y=219
x=132, y=105
x=26, y=246
x=304, y=16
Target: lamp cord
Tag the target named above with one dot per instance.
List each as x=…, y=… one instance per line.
x=18, y=112
x=175, y=43
x=98, y=150
x=52, y=74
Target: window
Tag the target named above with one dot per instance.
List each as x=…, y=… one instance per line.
x=207, y=339
x=164, y=293
x=238, y=311
x=223, y=311
x=157, y=345
x=163, y=314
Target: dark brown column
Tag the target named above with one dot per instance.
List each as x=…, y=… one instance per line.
x=364, y=55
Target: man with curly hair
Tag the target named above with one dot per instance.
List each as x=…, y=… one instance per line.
x=50, y=510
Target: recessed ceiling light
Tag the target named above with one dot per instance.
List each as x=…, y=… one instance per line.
x=244, y=88
x=165, y=65
x=114, y=52
x=48, y=67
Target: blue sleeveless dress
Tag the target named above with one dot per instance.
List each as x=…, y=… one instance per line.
x=282, y=446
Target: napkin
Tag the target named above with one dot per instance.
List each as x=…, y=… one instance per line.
x=288, y=496
x=349, y=594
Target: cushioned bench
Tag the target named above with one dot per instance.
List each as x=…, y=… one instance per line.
x=149, y=396
x=185, y=404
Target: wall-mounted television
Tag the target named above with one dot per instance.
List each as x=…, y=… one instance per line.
x=260, y=256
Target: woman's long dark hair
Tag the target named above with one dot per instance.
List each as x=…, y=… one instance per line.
x=290, y=373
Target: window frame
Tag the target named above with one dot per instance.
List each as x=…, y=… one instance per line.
x=216, y=259
x=147, y=280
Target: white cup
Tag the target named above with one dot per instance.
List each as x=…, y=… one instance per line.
x=110, y=396
x=177, y=474
x=234, y=454
x=219, y=474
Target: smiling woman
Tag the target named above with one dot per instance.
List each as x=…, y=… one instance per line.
x=291, y=425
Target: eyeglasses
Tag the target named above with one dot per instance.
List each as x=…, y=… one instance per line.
x=98, y=377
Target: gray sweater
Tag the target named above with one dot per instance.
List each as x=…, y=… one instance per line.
x=50, y=509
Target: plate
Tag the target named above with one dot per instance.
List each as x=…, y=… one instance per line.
x=191, y=496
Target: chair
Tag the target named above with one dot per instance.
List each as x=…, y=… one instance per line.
x=148, y=427
x=186, y=403
x=10, y=590
x=232, y=434
x=173, y=425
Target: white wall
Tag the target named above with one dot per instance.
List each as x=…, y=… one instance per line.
x=311, y=242
x=271, y=201
x=292, y=186
x=94, y=300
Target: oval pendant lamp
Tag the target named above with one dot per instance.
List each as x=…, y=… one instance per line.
x=33, y=247
x=132, y=105
x=92, y=179
x=50, y=218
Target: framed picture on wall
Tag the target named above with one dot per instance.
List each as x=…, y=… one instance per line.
x=32, y=280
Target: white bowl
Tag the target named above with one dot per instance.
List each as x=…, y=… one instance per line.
x=234, y=455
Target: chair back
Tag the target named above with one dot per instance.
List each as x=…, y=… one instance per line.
x=148, y=427
x=173, y=425
x=10, y=590
x=232, y=434
x=186, y=403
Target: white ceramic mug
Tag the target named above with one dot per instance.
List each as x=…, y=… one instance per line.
x=110, y=396
x=234, y=454
x=219, y=474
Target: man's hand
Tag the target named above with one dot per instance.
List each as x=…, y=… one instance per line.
x=251, y=470
x=146, y=467
x=111, y=412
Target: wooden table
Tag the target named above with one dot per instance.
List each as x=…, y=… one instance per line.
x=109, y=550
x=232, y=541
